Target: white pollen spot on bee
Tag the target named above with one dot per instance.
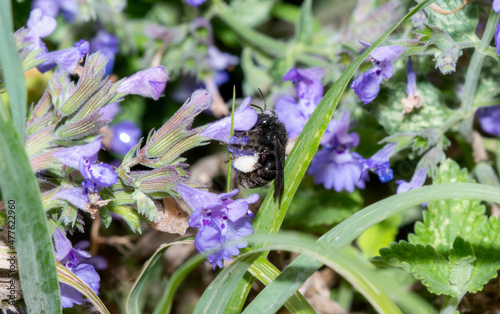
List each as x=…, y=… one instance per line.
x=246, y=163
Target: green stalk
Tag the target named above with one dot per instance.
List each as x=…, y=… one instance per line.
x=228, y=187
x=473, y=73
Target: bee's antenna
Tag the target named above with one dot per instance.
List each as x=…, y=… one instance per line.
x=255, y=106
x=263, y=98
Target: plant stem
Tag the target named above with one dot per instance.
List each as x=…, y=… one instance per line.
x=473, y=73
x=450, y=304
x=228, y=186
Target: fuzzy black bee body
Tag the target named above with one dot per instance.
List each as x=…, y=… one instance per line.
x=265, y=145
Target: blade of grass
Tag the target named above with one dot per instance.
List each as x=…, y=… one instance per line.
x=67, y=277
x=132, y=304
x=35, y=254
x=282, y=287
x=270, y=215
x=12, y=70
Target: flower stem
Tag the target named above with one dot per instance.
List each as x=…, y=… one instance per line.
x=450, y=304
x=228, y=187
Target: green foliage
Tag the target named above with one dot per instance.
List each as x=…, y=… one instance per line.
x=454, y=250
x=460, y=25
x=312, y=208
x=387, y=109
x=379, y=236
x=260, y=11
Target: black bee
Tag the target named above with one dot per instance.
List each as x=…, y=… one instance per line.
x=263, y=157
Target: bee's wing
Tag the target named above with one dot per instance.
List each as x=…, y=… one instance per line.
x=279, y=182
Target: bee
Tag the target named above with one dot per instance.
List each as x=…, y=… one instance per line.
x=259, y=153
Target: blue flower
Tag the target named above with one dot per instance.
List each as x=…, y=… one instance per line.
x=125, y=136
x=68, y=59
x=219, y=220
x=77, y=261
x=334, y=165
x=379, y=163
x=39, y=25
x=245, y=118
x=295, y=113
x=68, y=8
x=107, y=45
x=489, y=118
x=367, y=86
x=147, y=83
x=417, y=180
x=195, y=3
x=96, y=176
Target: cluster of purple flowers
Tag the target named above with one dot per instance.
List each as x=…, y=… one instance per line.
x=496, y=8
x=80, y=263
x=219, y=220
x=96, y=176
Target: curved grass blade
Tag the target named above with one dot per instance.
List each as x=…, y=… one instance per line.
x=343, y=234
x=165, y=304
x=132, y=304
x=12, y=69
x=67, y=277
x=271, y=214
x=35, y=257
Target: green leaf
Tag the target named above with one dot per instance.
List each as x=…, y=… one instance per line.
x=387, y=108
x=303, y=267
x=460, y=25
x=67, y=277
x=251, y=12
x=424, y=263
x=462, y=252
x=13, y=75
x=37, y=265
x=133, y=302
x=304, y=25
x=379, y=236
x=447, y=219
x=130, y=216
x=312, y=208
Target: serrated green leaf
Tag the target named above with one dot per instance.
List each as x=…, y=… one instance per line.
x=131, y=217
x=460, y=25
x=387, y=108
x=424, y=263
x=459, y=239
x=447, y=219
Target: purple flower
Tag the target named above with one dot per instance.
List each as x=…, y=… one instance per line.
x=220, y=60
x=125, y=135
x=293, y=114
x=68, y=59
x=147, y=83
x=245, y=118
x=334, y=165
x=76, y=261
x=336, y=134
x=109, y=111
x=417, y=180
x=195, y=3
x=489, y=118
x=337, y=170
x=107, y=45
x=497, y=37
x=219, y=220
x=68, y=8
x=367, y=86
x=97, y=175
x=496, y=6
x=39, y=26
x=413, y=100
x=379, y=163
